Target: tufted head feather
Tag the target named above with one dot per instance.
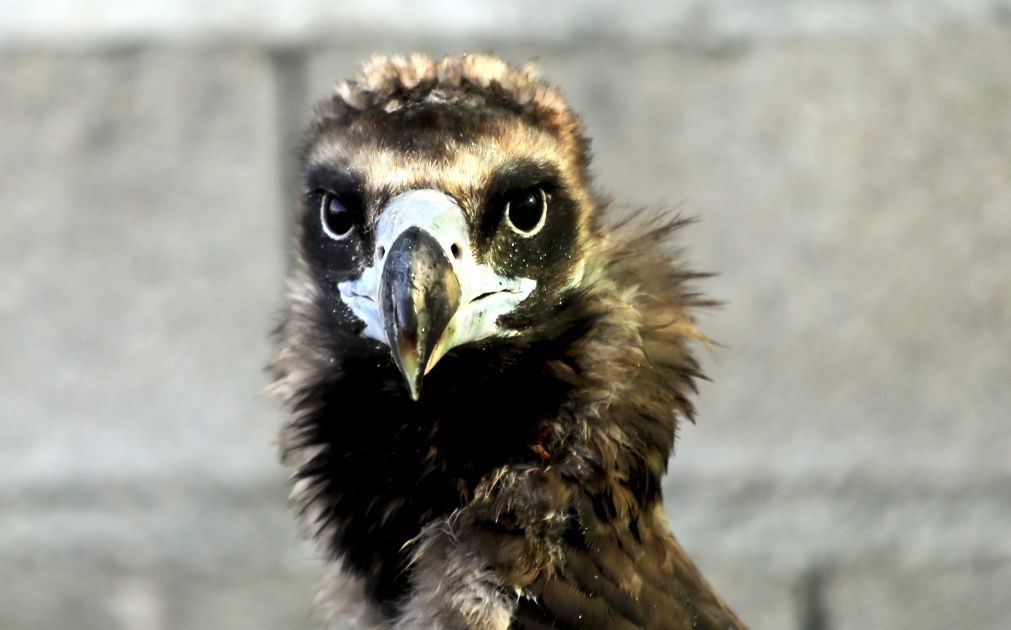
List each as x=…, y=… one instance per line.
x=391, y=83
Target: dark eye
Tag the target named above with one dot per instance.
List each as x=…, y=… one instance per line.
x=526, y=209
x=337, y=218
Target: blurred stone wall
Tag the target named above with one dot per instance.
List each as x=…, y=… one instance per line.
x=850, y=162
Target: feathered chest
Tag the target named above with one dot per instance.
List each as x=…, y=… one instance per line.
x=384, y=466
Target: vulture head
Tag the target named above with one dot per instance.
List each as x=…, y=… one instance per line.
x=483, y=375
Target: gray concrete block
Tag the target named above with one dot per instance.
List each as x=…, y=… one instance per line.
x=934, y=598
x=789, y=528
x=190, y=527
x=270, y=601
x=761, y=599
x=142, y=258
x=106, y=598
x=142, y=263
x=691, y=22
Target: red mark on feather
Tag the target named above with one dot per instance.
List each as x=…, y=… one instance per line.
x=538, y=445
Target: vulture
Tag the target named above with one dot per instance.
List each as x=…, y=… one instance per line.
x=482, y=374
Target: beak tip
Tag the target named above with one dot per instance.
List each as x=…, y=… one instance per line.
x=411, y=371
x=414, y=386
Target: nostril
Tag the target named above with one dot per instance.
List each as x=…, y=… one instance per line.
x=380, y=252
x=455, y=249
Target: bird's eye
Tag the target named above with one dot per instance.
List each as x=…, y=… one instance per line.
x=526, y=210
x=338, y=220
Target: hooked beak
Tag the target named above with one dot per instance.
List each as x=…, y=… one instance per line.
x=419, y=294
x=426, y=291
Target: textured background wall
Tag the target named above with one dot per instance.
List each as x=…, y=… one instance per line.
x=850, y=162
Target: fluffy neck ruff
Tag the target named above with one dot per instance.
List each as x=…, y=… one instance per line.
x=598, y=392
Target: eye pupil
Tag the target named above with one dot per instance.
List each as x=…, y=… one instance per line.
x=338, y=220
x=525, y=210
